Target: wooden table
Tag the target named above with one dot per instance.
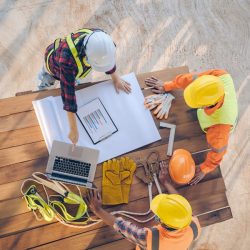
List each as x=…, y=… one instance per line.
x=23, y=151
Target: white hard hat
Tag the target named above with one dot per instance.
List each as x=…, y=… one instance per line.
x=100, y=51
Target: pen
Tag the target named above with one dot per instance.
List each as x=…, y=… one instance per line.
x=147, y=88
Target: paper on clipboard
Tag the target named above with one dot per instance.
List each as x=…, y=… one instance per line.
x=96, y=120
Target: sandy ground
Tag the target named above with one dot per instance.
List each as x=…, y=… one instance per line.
x=150, y=35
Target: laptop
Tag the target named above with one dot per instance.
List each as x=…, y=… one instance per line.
x=76, y=166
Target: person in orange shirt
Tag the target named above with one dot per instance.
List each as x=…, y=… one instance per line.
x=176, y=228
x=212, y=93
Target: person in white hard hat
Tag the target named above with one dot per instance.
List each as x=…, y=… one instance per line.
x=72, y=58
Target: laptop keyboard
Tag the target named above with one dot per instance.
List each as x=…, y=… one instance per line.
x=69, y=166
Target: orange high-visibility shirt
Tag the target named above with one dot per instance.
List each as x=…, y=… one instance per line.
x=176, y=240
x=217, y=135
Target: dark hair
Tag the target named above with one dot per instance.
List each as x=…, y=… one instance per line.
x=168, y=228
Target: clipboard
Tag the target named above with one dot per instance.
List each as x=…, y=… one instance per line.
x=96, y=121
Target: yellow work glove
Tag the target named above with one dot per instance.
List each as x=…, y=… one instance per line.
x=111, y=183
x=127, y=169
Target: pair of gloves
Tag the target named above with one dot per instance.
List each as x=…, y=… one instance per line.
x=117, y=177
x=161, y=103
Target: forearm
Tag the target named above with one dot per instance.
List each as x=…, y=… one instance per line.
x=108, y=218
x=132, y=232
x=72, y=120
x=213, y=160
x=114, y=76
x=183, y=80
x=217, y=138
x=213, y=72
x=180, y=82
x=170, y=189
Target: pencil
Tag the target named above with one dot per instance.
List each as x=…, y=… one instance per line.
x=147, y=88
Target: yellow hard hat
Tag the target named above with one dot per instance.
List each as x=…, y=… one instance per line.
x=173, y=210
x=204, y=91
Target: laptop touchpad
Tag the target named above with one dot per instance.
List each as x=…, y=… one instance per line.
x=77, y=152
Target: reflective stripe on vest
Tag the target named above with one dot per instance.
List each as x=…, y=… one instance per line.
x=227, y=113
x=56, y=45
x=155, y=238
x=81, y=72
x=217, y=150
x=194, y=229
x=83, y=67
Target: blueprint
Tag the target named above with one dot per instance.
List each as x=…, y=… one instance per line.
x=136, y=127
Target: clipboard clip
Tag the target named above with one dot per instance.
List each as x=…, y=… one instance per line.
x=104, y=137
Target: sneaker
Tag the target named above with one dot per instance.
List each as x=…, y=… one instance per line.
x=77, y=82
x=45, y=79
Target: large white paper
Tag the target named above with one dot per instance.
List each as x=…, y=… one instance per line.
x=136, y=127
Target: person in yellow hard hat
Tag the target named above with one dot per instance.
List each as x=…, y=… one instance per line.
x=212, y=93
x=176, y=228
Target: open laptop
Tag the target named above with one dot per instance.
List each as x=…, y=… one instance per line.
x=76, y=166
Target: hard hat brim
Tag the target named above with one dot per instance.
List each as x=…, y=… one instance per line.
x=104, y=68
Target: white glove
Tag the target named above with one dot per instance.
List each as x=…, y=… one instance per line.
x=162, y=102
x=152, y=101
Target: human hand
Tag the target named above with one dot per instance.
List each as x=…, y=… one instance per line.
x=199, y=175
x=163, y=174
x=120, y=84
x=94, y=201
x=157, y=84
x=73, y=135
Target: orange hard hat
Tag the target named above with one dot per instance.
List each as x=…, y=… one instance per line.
x=181, y=167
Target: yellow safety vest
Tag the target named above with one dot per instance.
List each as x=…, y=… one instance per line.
x=227, y=113
x=83, y=67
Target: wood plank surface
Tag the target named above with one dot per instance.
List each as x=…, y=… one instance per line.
x=22, y=170
x=23, y=103
x=119, y=244
x=20, y=136
x=11, y=189
x=23, y=151
x=74, y=237
x=32, y=151
x=54, y=232
x=33, y=134
x=19, y=223
x=138, y=202
x=179, y=114
x=215, y=217
x=17, y=121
